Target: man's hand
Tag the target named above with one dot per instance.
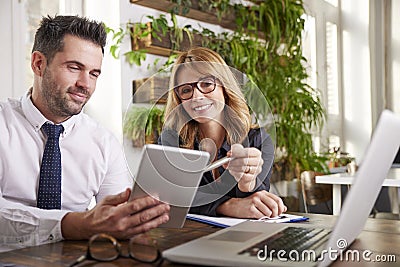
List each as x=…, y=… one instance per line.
x=117, y=217
x=255, y=206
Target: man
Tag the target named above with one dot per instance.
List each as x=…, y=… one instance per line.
x=66, y=61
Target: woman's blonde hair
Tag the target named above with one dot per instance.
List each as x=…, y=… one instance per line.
x=237, y=115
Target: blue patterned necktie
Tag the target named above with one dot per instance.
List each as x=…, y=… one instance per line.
x=49, y=192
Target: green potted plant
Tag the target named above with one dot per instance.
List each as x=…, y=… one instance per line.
x=143, y=124
x=153, y=37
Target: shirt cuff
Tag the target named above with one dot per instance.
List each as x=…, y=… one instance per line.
x=24, y=228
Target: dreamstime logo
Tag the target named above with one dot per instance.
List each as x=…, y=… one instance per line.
x=341, y=243
x=327, y=254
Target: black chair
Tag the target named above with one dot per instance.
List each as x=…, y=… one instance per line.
x=314, y=193
x=396, y=161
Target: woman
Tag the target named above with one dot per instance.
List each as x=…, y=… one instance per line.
x=206, y=110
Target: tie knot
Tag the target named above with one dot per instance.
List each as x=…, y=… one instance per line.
x=52, y=130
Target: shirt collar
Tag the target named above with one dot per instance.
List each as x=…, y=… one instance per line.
x=225, y=145
x=36, y=118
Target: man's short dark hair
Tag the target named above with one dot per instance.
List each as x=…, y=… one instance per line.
x=49, y=37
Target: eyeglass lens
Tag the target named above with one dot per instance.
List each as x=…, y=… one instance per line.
x=141, y=248
x=205, y=85
x=101, y=247
x=104, y=248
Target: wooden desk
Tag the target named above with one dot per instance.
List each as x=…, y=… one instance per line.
x=382, y=237
x=338, y=179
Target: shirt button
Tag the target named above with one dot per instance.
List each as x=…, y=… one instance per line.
x=51, y=237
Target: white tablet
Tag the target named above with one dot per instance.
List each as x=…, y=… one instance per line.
x=173, y=175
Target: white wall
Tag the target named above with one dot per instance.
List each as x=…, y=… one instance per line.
x=356, y=77
x=6, y=50
x=105, y=104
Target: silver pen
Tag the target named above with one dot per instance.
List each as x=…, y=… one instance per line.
x=217, y=163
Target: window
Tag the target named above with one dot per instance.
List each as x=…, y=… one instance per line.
x=394, y=65
x=31, y=12
x=332, y=87
x=322, y=50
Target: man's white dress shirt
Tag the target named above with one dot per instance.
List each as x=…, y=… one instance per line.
x=93, y=164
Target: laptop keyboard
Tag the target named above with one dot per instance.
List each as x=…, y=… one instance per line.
x=289, y=239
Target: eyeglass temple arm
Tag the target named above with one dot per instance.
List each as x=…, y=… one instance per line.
x=79, y=260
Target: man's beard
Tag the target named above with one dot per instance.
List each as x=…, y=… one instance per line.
x=57, y=99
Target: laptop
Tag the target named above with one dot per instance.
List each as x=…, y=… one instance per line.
x=171, y=174
x=254, y=243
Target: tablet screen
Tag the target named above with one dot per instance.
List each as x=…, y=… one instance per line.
x=173, y=175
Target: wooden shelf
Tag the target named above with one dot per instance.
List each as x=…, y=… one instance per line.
x=227, y=21
x=164, y=46
x=154, y=92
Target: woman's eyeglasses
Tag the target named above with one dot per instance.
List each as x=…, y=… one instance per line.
x=204, y=85
x=103, y=247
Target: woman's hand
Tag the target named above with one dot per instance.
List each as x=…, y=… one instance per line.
x=255, y=206
x=245, y=166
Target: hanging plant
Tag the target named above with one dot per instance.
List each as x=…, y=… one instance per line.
x=143, y=124
x=157, y=30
